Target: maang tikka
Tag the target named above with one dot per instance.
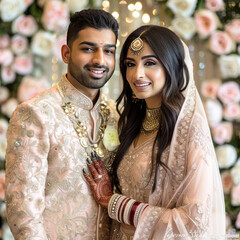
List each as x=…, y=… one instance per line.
x=137, y=46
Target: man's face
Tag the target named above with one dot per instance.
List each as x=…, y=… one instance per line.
x=92, y=57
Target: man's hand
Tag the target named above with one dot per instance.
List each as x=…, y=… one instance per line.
x=99, y=182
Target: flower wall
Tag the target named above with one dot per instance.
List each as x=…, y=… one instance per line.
x=216, y=23
x=33, y=31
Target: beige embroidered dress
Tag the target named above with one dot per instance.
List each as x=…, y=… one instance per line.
x=47, y=196
x=188, y=205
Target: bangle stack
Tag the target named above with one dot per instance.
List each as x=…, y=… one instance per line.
x=125, y=210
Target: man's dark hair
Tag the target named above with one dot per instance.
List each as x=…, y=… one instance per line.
x=94, y=18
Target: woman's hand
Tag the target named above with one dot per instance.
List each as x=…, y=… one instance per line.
x=99, y=182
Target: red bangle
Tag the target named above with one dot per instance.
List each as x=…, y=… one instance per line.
x=132, y=213
x=124, y=209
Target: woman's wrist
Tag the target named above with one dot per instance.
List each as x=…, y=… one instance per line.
x=125, y=210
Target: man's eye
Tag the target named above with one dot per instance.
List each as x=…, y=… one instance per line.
x=130, y=64
x=108, y=51
x=87, y=49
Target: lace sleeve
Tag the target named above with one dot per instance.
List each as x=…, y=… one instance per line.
x=26, y=169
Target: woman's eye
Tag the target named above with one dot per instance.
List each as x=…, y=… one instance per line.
x=129, y=64
x=150, y=63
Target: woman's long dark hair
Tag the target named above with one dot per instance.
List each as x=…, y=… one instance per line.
x=170, y=52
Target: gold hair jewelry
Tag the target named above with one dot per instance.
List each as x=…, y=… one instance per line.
x=137, y=46
x=151, y=121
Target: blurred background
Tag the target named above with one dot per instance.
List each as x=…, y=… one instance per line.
x=32, y=33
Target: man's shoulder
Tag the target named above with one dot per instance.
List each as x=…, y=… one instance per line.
x=49, y=96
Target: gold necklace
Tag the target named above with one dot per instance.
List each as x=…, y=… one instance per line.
x=151, y=121
x=70, y=110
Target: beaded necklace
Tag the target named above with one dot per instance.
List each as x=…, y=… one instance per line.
x=70, y=110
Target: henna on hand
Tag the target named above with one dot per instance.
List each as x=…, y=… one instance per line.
x=100, y=183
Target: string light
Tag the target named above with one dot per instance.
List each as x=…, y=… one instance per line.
x=136, y=14
x=128, y=20
x=146, y=18
x=131, y=7
x=122, y=2
x=115, y=14
x=105, y=4
x=138, y=6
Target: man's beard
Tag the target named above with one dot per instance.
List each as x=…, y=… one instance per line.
x=87, y=81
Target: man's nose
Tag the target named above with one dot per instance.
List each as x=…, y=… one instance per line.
x=98, y=57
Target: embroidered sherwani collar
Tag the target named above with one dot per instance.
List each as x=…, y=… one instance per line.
x=71, y=94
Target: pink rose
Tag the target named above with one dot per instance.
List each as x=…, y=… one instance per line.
x=232, y=111
x=238, y=221
x=4, y=41
x=2, y=185
x=8, y=74
x=4, y=94
x=23, y=64
x=206, y=22
x=214, y=5
x=31, y=87
x=235, y=195
x=227, y=181
x=221, y=43
x=222, y=132
x=6, y=57
x=209, y=88
x=61, y=40
x=25, y=25
x=55, y=16
x=19, y=44
x=229, y=92
x=233, y=29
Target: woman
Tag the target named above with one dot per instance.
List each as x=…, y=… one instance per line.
x=165, y=170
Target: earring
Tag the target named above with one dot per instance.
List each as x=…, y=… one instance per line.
x=134, y=98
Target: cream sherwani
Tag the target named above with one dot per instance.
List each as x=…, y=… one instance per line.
x=47, y=196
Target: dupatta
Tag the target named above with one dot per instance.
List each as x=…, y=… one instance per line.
x=190, y=204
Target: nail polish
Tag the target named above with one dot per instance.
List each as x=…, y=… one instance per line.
x=89, y=161
x=84, y=170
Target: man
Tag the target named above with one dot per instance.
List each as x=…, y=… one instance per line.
x=51, y=136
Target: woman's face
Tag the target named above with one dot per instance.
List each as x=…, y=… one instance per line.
x=146, y=76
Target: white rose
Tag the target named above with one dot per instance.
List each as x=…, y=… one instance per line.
x=110, y=138
x=3, y=127
x=9, y=107
x=10, y=9
x=42, y=43
x=183, y=8
x=235, y=172
x=226, y=155
x=214, y=111
x=3, y=148
x=229, y=66
x=76, y=5
x=4, y=94
x=184, y=26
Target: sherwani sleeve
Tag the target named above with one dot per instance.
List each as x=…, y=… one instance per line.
x=200, y=200
x=26, y=170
